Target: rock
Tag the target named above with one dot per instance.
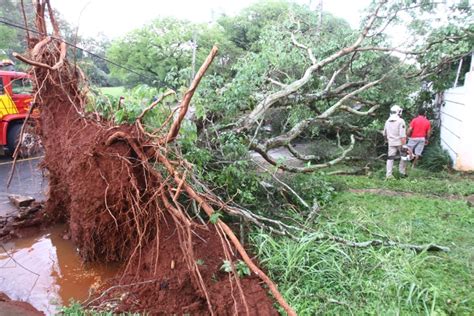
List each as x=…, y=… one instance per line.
x=21, y=200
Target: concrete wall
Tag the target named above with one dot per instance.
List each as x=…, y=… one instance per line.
x=457, y=124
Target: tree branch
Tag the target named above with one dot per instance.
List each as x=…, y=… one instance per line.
x=336, y=106
x=261, y=150
x=309, y=50
x=368, y=112
x=260, y=109
x=174, y=129
x=300, y=156
x=386, y=243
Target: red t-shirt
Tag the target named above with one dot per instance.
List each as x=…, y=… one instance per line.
x=420, y=126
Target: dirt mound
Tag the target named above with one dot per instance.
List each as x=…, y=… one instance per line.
x=166, y=286
x=126, y=194
x=9, y=307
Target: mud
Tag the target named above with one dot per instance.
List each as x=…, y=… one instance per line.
x=10, y=307
x=168, y=286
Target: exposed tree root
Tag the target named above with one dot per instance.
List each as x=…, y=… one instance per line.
x=125, y=193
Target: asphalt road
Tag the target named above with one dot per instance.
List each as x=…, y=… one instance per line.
x=27, y=180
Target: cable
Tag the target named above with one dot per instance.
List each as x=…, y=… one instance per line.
x=5, y=21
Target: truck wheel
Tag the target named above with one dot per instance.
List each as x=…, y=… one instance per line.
x=13, y=137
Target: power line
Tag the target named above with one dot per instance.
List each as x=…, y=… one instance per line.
x=5, y=21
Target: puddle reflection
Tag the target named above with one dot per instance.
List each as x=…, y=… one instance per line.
x=45, y=271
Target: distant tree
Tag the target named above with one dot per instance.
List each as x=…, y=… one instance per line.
x=163, y=50
x=245, y=28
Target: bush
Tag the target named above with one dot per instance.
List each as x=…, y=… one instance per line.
x=313, y=186
x=435, y=159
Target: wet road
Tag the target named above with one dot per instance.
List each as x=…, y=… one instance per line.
x=27, y=180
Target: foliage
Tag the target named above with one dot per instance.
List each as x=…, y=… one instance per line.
x=163, y=50
x=245, y=28
x=240, y=267
x=134, y=102
x=460, y=41
x=435, y=159
x=332, y=279
x=12, y=39
x=214, y=218
x=313, y=187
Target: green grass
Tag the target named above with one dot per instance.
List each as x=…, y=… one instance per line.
x=418, y=181
x=325, y=278
x=113, y=91
x=76, y=309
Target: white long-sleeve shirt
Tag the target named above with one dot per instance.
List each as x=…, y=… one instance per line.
x=395, y=130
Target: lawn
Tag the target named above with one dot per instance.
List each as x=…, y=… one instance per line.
x=328, y=278
x=113, y=91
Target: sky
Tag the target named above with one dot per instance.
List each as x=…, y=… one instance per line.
x=115, y=18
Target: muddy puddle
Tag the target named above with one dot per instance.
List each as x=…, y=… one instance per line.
x=45, y=271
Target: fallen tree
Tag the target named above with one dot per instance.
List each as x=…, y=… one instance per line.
x=311, y=71
x=130, y=197
x=125, y=193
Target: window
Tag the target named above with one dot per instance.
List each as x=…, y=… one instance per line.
x=2, y=91
x=22, y=86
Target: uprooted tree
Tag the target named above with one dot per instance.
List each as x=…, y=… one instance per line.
x=128, y=194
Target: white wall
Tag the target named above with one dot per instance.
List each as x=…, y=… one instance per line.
x=457, y=124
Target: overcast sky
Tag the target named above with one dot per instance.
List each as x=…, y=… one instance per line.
x=116, y=17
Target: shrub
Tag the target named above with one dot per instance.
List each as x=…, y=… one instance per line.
x=435, y=159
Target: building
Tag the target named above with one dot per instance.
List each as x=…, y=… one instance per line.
x=457, y=122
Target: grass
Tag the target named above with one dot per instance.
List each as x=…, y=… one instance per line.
x=76, y=309
x=418, y=181
x=324, y=278
x=113, y=91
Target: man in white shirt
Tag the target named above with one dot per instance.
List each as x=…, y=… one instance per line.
x=395, y=134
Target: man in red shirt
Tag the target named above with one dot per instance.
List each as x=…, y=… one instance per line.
x=419, y=132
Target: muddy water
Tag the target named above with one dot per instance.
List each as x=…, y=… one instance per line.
x=46, y=271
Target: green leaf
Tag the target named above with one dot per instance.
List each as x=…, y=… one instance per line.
x=214, y=218
x=226, y=266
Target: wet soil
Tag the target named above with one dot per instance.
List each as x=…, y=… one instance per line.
x=10, y=307
x=170, y=290
x=46, y=271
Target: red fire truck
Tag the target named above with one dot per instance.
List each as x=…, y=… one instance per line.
x=15, y=102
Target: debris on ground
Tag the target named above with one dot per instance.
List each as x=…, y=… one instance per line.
x=21, y=200
x=16, y=224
